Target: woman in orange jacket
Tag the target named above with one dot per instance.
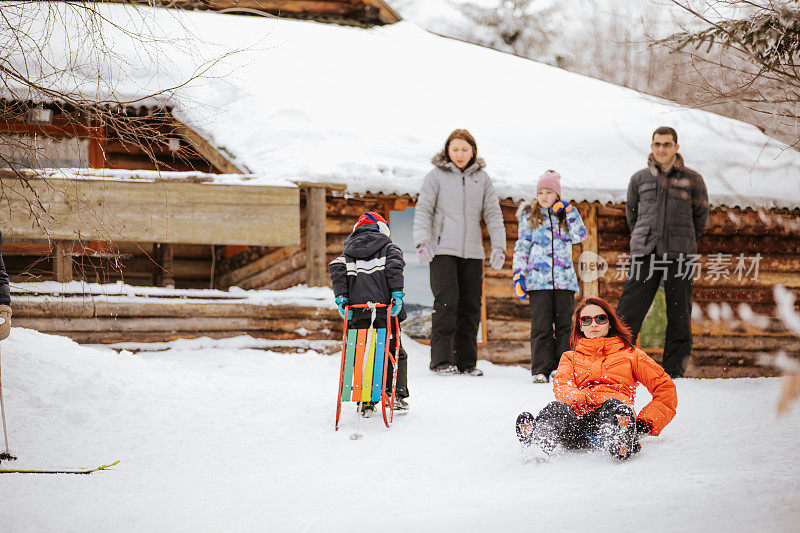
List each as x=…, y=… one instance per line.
x=594, y=388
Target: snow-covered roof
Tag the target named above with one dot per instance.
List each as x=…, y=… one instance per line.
x=369, y=107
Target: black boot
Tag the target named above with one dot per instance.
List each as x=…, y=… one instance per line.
x=617, y=423
x=525, y=426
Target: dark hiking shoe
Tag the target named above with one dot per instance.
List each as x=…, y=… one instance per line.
x=525, y=425
x=473, y=372
x=367, y=409
x=445, y=369
x=539, y=378
x=400, y=404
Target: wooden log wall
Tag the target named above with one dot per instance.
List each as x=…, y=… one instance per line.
x=721, y=350
x=280, y=268
x=775, y=236
x=132, y=263
x=98, y=322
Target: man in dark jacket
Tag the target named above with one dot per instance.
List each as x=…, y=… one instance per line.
x=5, y=299
x=667, y=211
x=370, y=269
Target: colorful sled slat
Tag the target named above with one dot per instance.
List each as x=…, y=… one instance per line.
x=366, y=392
x=377, y=374
x=350, y=354
x=358, y=367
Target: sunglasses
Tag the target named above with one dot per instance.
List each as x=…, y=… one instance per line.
x=599, y=320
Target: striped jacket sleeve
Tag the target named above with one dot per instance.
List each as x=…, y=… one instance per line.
x=337, y=269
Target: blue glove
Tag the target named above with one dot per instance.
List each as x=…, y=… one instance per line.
x=397, y=302
x=519, y=286
x=561, y=208
x=341, y=301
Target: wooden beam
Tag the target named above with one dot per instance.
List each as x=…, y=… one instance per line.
x=386, y=14
x=97, y=147
x=163, y=271
x=53, y=130
x=332, y=185
x=205, y=149
x=161, y=211
x=62, y=261
x=169, y=307
x=316, y=269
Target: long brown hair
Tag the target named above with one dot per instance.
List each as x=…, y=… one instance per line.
x=464, y=135
x=617, y=328
x=537, y=218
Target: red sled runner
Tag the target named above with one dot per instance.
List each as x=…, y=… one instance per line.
x=365, y=363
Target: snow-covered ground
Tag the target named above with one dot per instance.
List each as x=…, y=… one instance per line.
x=224, y=438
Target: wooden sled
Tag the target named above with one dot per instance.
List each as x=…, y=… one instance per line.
x=365, y=363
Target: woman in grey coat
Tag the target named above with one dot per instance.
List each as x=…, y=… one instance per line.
x=456, y=194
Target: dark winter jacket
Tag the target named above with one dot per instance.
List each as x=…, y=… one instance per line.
x=5, y=293
x=667, y=212
x=370, y=269
x=447, y=217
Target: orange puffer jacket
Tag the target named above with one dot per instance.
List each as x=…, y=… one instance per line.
x=601, y=369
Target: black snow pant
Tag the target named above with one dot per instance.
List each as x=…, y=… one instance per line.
x=402, y=358
x=457, y=286
x=558, y=424
x=551, y=324
x=646, y=273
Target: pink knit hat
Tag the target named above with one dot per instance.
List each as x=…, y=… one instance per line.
x=550, y=180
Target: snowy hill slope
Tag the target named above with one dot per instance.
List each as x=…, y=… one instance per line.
x=216, y=438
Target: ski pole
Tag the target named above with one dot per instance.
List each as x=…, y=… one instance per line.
x=7, y=454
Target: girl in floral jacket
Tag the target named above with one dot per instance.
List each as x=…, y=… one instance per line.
x=543, y=271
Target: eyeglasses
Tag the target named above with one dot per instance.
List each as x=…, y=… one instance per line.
x=664, y=145
x=598, y=319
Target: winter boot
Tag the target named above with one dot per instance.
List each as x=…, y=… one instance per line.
x=445, y=369
x=525, y=426
x=539, y=378
x=400, y=404
x=621, y=436
x=367, y=409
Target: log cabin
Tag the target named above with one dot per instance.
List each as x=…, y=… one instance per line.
x=350, y=116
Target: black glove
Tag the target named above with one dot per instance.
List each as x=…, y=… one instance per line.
x=642, y=428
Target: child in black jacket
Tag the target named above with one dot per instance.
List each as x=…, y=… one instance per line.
x=370, y=269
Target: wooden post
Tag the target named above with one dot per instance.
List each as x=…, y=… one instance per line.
x=317, y=273
x=591, y=287
x=62, y=261
x=163, y=272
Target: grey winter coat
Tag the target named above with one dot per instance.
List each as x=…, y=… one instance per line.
x=666, y=213
x=451, y=203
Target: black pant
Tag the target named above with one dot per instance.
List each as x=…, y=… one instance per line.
x=646, y=273
x=559, y=424
x=551, y=322
x=401, y=390
x=457, y=286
